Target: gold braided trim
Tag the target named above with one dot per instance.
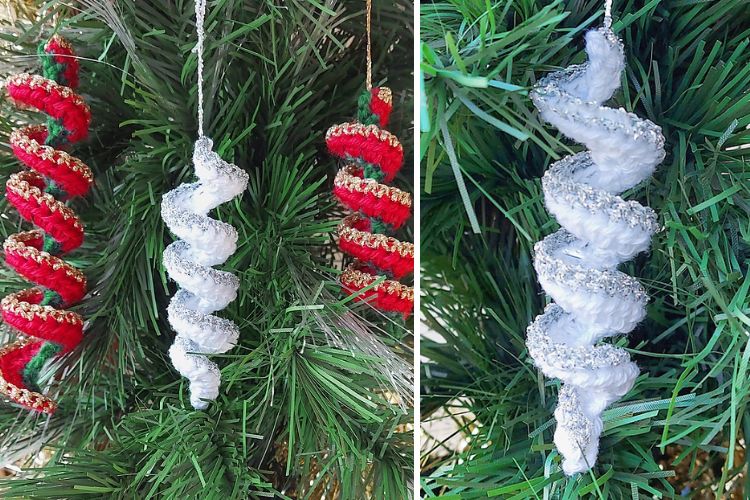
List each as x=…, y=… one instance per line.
x=28, y=398
x=346, y=178
x=20, y=185
x=62, y=42
x=16, y=243
x=21, y=138
x=361, y=279
x=348, y=232
x=354, y=128
x=38, y=81
x=16, y=304
x=385, y=95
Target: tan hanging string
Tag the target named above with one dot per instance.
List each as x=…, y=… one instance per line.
x=368, y=80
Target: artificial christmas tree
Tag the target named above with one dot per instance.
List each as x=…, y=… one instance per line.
x=315, y=397
x=484, y=151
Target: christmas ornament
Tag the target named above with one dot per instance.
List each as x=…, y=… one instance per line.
x=39, y=195
x=372, y=157
x=203, y=242
x=576, y=265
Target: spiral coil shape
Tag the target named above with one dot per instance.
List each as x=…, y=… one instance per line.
x=372, y=157
x=40, y=195
x=203, y=242
x=576, y=265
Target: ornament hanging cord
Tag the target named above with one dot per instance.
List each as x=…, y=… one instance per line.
x=200, y=15
x=608, y=14
x=368, y=81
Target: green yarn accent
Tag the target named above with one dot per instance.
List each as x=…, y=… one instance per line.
x=377, y=226
x=57, y=135
x=51, y=69
x=371, y=119
x=54, y=189
x=51, y=246
x=366, y=117
x=35, y=365
x=364, y=100
x=372, y=171
x=380, y=227
x=364, y=114
x=51, y=298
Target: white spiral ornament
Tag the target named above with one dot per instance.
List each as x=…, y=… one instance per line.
x=576, y=265
x=203, y=242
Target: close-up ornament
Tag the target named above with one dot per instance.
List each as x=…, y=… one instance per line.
x=576, y=265
x=40, y=194
x=203, y=243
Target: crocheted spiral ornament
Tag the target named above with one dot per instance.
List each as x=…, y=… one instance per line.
x=576, y=265
x=204, y=242
x=372, y=158
x=39, y=195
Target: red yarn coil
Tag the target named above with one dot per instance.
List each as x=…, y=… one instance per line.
x=53, y=173
x=384, y=297
x=368, y=202
x=382, y=252
x=65, y=168
x=374, y=156
x=359, y=141
x=58, y=101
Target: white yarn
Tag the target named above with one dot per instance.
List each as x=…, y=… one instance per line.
x=576, y=266
x=204, y=242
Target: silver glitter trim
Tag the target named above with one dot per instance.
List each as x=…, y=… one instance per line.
x=626, y=124
x=176, y=260
x=547, y=352
x=558, y=183
x=176, y=216
x=551, y=88
x=572, y=418
x=613, y=283
x=193, y=352
x=221, y=171
x=179, y=311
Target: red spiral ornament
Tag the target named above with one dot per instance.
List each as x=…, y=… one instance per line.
x=373, y=156
x=39, y=194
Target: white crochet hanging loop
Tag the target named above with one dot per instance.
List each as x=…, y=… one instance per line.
x=203, y=242
x=576, y=265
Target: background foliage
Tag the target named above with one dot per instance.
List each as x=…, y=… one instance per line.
x=304, y=410
x=688, y=70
